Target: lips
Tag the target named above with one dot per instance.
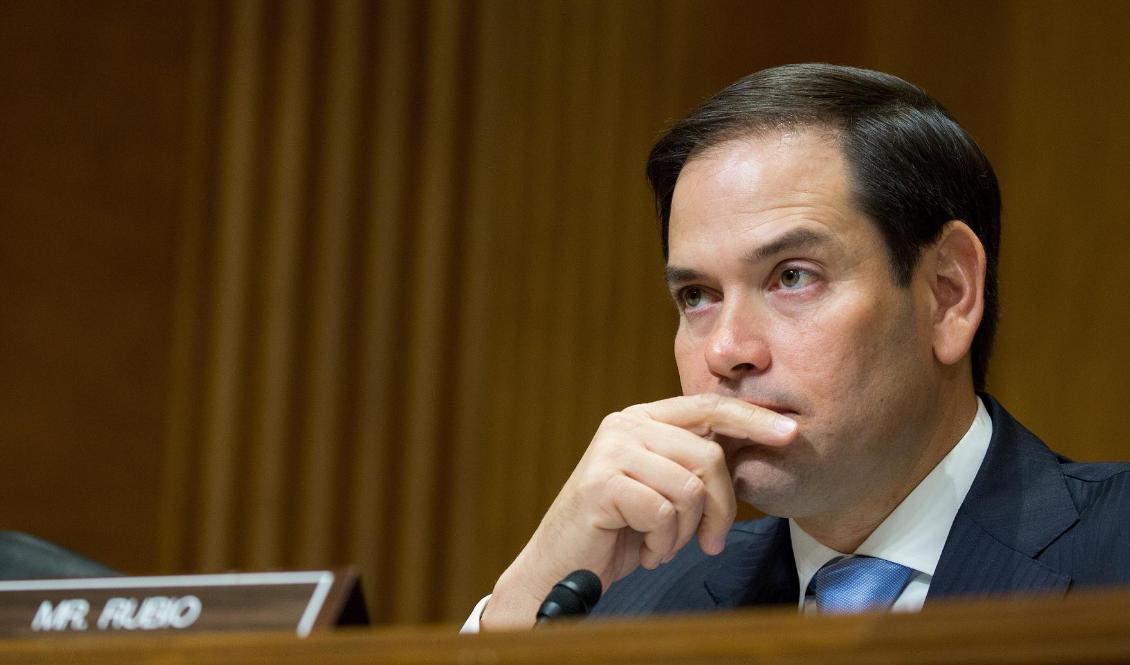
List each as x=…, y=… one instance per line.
x=781, y=403
x=782, y=410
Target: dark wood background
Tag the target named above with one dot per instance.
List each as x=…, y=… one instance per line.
x=295, y=284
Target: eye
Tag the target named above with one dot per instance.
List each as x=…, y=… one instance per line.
x=794, y=278
x=692, y=298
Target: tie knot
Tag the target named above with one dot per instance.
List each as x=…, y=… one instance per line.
x=857, y=583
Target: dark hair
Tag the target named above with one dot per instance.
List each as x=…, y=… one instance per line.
x=913, y=168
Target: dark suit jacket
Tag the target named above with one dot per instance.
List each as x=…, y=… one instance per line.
x=1033, y=521
x=24, y=557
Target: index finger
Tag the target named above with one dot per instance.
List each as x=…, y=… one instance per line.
x=709, y=413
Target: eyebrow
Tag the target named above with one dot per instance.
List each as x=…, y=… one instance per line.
x=791, y=241
x=677, y=275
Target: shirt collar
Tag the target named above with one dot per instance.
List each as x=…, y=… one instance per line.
x=915, y=532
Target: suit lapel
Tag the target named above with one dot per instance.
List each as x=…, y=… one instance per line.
x=1017, y=506
x=756, y=568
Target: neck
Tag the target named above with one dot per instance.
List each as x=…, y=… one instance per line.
x=845, y=530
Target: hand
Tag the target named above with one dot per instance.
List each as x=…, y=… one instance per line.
x=651, y=479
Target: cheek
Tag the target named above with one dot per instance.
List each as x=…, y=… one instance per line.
x=866, y=360
x=834, y=357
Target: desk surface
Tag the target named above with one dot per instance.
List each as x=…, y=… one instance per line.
x=1084, y=628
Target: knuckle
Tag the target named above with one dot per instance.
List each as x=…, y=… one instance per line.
x=613, y=420
x=591, y=489
x=597, y=487
x=616, y=455
x=620, y=421
x=711, y=405
x=707, y=401
x=634, y=410
x=608, y=442
x=693, y=490
x=616, y=451
x=615, y=485
x=713, y=457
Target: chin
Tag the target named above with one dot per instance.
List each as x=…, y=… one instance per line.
x=765, y=486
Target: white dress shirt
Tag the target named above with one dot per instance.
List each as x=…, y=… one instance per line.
x=912, y=535
x=915, y=532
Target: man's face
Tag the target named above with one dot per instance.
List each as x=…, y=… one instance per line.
x=787, y=300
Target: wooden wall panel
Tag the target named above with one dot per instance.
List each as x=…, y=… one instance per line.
x=357, y=280
x=1063, y=357
x=1043, y=88
x=91, y=186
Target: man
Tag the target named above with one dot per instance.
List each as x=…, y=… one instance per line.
x=831, y=237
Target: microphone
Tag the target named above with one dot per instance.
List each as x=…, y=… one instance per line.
x=573, y=596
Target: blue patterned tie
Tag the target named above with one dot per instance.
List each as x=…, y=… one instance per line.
x=857, y=583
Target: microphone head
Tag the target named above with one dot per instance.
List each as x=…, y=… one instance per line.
x=573, y=596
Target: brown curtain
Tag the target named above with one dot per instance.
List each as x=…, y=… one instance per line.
x=418, y=265
x=390, y=263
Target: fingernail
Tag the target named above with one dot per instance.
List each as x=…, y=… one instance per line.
x=784, y=425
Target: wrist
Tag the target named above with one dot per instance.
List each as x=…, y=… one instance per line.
x=512, y=605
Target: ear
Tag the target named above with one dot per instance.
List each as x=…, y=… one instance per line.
x=957, y=283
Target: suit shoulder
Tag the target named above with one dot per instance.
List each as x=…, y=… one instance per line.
x=1099, y=485
x=1097, y=472
x=1094, y=551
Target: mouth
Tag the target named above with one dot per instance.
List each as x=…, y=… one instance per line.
x=733, y=446
x=782, y=410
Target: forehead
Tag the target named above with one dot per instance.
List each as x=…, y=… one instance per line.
x=747, y=190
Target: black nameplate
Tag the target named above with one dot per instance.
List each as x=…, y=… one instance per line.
x=298, y=601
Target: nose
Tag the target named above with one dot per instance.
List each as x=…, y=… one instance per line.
x=737, y=345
